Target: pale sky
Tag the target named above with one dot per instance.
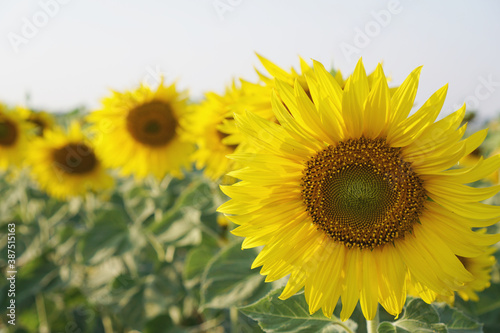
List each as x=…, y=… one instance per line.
x=69, y=53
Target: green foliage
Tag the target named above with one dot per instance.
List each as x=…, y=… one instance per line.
x=228, y=280
x=292, y=315
x=422, y=317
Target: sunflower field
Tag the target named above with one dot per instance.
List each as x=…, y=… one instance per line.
x=308, y=201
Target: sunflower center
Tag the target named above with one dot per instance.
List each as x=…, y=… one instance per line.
x=8, y=133
x=362, y=193
x=75, y=158
x=359, y=192
x=152, y=124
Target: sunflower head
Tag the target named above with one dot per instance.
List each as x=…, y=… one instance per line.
x=142, y=132
x=350, y=194
x=41, y=120
x=66, y=165
x=14, y=135
x=213, y=130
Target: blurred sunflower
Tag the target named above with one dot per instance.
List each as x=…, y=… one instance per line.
x=257, y=96
x=142, y=133
x=14, y=134
x=41, y=120
x=350, y=193
x=212, y=129
x=480, y=267
x=66, y=165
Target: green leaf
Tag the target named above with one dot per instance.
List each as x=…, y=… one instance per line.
x=180, y=228
x=162, y=324
x=137, y=299
x=487, y=308
x=139, y=204
x=131, y=307
x=229, y=281
x=108, y=237
x=386, y=327
x=489, y=300
x=196, y=261
x=418, y=310
x=38, y=275
x=292, y=315
x=437, y=317
x=456, y=321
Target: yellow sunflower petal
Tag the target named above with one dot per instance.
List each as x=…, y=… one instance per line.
x=414, y=125
x=377, y=108
x=403, y=98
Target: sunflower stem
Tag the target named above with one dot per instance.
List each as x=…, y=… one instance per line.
x=42, y=314
x=372, y=325
x=107, y=323
x=233, y=317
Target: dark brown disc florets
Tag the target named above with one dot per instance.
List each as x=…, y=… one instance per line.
x=362, y=193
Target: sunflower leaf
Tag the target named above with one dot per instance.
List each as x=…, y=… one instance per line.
x=229, y=281
x=196, y=262
x=292, y=315
x=109, y=236
x=422, y=317
x=456, y=321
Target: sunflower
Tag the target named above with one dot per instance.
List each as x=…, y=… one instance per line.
x=142, y=132
x=66, y=165
x=480, y=267
x=14, y=135
x=41, y=120
x=212, y=129
x=348, y=193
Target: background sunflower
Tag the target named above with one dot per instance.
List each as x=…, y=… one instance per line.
x=142, y=132
x=66, y=165
x=14, y=134
x=211, y=126
x=40, y=119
